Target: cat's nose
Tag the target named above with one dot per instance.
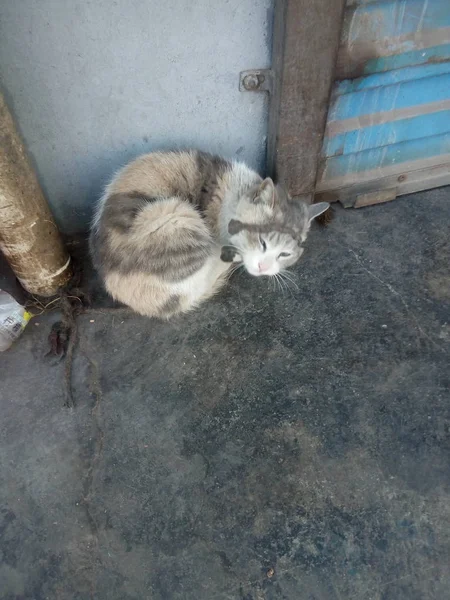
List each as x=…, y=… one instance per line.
x=263, y=267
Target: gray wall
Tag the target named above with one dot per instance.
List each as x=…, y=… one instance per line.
x=93, y=83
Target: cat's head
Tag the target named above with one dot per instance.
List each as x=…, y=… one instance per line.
x=268, y=229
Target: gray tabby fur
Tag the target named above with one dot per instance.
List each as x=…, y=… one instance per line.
x=169, y=225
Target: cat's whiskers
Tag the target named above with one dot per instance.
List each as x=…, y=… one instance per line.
x=234, y=268
x=285, y=282
x=280, y=282
x=274, y=283
x=289, y=277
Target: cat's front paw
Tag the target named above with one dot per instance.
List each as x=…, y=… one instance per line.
x=229, y=254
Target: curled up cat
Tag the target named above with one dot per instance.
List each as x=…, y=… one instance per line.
x=171, y=226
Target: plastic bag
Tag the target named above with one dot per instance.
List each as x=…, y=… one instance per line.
x=13, y=319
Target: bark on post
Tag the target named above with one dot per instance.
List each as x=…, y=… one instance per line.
x=29, y=237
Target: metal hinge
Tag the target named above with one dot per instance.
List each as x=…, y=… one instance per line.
x=256, y=80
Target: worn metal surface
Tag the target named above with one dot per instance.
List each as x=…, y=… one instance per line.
x=377, y=30
x=29, y=237
x=395, y=119
x=306, y=37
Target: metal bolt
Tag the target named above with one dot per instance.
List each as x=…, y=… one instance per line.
x=251, y=82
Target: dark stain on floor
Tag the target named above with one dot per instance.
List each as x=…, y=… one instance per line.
x=273, y=445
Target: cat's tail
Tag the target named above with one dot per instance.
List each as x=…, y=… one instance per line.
x=174, y=237
x=156, y=255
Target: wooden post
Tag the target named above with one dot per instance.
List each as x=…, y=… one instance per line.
x=305, y=45
x=29, y=237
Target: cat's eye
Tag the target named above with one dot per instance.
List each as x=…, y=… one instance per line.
x=263, y=244
x=284, y=255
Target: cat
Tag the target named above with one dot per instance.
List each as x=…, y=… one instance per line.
x=171, y=225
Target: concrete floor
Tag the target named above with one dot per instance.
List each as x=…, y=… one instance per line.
x=270, y=446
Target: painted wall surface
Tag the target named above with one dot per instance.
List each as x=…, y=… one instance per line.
x=94, y=83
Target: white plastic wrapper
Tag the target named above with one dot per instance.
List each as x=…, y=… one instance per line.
x=13, y=319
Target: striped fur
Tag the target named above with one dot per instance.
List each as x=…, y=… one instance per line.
x=159, y=228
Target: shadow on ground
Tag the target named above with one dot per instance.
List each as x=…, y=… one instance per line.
x=273, y=445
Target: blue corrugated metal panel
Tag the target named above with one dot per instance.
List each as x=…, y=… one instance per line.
x=391, y=77
x=388, y=133
x=388, y=98
x=387, y=156
x=398, y=19
x=375, y=34
x=379, y=64
x=396, y=118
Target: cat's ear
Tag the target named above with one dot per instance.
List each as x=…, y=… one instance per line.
x=315, y=210
x=266, y=193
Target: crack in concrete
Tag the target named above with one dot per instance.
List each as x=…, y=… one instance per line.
x=89, y=478
x=68, y=366
x=99, y=438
